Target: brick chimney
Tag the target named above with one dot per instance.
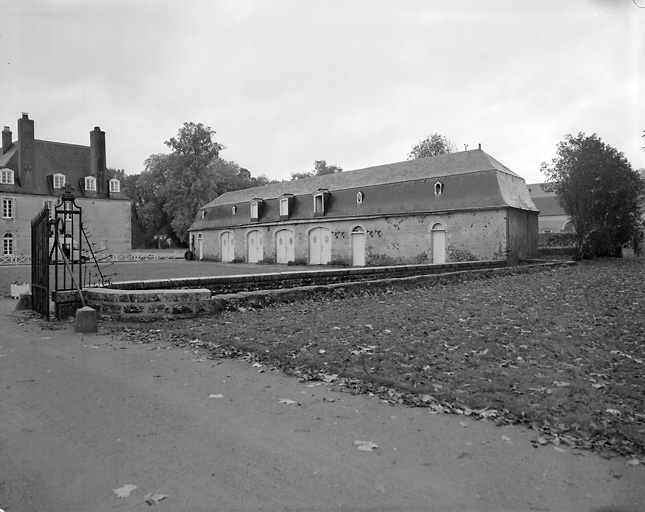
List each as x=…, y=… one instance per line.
x=26, y=151
x=6, y=139
x=98, y=166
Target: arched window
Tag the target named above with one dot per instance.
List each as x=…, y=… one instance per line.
x=234, y=210
x=7, y=244
x=359, y=198
x=438, y=188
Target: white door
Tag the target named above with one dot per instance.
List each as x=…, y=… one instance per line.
x=438, y=243
x=200, y=246
x=285, y=250
x=358, y=247
x=227, y=246
x=255, y=246
x=319, y=246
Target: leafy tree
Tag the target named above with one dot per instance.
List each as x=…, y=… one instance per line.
x=432, y=145
x=168, y=193
x=190, y=180
x=321, y=168
x=597, y=187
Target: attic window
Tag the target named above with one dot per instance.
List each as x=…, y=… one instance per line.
x=256, y=209
x=321, y=198
x=59, y=180
x=438, y=188
x=90, y=183
x=115, y=186
x=359, y=198
x=6, y=177
x=286, y=206
x=234, y=210
x=203, y=214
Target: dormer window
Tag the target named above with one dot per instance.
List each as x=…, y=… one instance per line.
x=321, y=198
x=438, y=188
x=6, y=177
x=90, y=183
x=256, y=209
x=286, y=206
x=59, y=180
x=359, y=198
x=115, y=186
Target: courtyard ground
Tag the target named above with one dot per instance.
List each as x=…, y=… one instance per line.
x=90, y=423
x=561, y=352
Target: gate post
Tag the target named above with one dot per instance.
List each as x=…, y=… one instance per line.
x=67, y=252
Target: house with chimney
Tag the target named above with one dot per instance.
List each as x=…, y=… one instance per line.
x=33, y=173
x=454, y=207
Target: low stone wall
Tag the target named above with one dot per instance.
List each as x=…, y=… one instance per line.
x=297, y=279
x=148, y=305
x=151, y=305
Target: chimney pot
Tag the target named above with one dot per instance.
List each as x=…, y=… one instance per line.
x=97, y=128
x=480, y=145
x=6, y=139
x=25, y=115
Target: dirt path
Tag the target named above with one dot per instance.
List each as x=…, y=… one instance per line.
x=83, y=415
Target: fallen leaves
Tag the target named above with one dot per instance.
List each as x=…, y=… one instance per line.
x=154, y=498
x=574, y=376
x=366, y=446
x=124, y=492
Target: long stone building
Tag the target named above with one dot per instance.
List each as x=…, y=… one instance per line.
x=454, y=207
x=33, y=173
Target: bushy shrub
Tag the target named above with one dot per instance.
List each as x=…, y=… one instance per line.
x=339, y=262
x=457, y=256
x=556, y=240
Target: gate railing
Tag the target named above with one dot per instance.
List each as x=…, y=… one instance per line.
x=40, y=226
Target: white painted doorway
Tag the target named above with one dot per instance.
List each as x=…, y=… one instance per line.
x=255, y=246
x=438, y=243
x=319, y=246
x=200, y=246
x=358, y=247
x=227, y=246
x=284, y=246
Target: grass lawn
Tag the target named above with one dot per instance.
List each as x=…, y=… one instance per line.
x=562, y=352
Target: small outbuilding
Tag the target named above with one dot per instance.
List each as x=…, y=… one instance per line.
x=462, y=206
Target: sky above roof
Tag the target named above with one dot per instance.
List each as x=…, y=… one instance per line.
x=354, y=82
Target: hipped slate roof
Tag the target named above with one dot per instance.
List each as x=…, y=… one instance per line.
x=464, y=162
x=472, y=180
x=546, y=202
x=72, y=160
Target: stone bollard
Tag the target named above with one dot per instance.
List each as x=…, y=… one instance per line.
x=24, y=302
x=86, y=320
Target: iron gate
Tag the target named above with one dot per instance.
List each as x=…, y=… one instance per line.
x=40, y=228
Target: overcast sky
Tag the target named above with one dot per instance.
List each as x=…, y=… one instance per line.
x=353, y=82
